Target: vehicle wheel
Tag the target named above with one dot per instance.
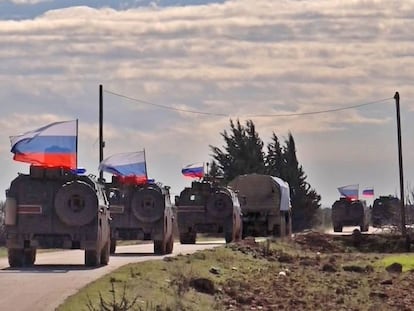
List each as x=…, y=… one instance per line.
x=188, y=238
x=160, y=247
x=76, y=203
x=239, y=234
x=92, y=258
x=276, y=231
x=16, y=257
x=105, y=254
x=113, y=246
x=228, y=236
x=29, y=256
x=170, y=244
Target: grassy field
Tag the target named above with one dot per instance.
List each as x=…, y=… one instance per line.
x=310, y=272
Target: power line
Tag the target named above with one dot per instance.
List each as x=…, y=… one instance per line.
x=248, y=116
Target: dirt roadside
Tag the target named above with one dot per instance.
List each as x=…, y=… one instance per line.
x=322, y=272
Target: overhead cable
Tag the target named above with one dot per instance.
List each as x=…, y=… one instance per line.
x=249, y=116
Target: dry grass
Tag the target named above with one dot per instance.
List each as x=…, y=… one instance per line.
x=311, y=272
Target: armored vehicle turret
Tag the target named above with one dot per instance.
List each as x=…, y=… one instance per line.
x=206, y=207
x=265, y=205
x=55, y=208
x=141, y=212
x=386, y=211
x=347, y=212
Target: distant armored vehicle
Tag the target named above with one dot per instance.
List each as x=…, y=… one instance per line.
x=346, y=212
x=55, y=208
x=206, y=207
x=141, y=212
x=386, y=211
x=265, y=205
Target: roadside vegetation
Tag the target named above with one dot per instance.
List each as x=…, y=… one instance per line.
x=312, y=271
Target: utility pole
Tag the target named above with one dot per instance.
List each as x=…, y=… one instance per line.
x=400, y=162
x=101, y=142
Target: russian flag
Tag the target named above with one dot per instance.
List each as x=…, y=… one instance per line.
x=350, y=191
x=195, y=170
x=130, y=166
x=54, y=145
x=368, y=192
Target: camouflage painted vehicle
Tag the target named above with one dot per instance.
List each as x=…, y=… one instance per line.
x=141, y=212
x=55, y=208
x=346, y=212
x=265, y=205
x=206, y=207
x=386, y=210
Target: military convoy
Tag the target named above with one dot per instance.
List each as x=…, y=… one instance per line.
x=141, y=212
x=206, y=207
x=56, y=208
x=265, y=205
x=347, y=212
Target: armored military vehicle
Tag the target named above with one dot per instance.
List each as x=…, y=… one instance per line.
x=347, y=212
x=265, y=205
x=206, y=207
x=141, y=212
x=56, y=208
x=386, y=211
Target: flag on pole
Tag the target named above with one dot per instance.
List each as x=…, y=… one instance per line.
x=128, y=165
x=195, y=170
x=349, y=191
x=53, y=145
x=369, y=192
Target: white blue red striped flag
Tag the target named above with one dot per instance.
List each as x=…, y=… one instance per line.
x=53, y=145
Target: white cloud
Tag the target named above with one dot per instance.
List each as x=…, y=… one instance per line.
x=242, y=58
x=29, y=1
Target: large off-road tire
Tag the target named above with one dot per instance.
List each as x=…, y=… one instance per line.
x=105, y=254
x=239, y=233
x=76, y=203
x=220, y=205
x=112, y=246
x=19, y=257
x=170, y=244
x=29, y=256
x=160, y=247
x=92, y=258
x=16, y=257
x=147, y=205
x=228, y=236
x=188, y=237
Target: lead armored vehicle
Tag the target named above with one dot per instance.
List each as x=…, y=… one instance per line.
x=386, y=211
x=56, y=208
x=265, y=205
x=347, y=212
x=206, y=207
x=141, y=212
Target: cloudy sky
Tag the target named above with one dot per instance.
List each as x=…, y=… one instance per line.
x=274, y=62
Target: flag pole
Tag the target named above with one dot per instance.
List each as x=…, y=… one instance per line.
x=145, y=163
x=77, y=135
x=101, y=142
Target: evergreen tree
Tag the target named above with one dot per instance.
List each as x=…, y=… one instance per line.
x=243, y=151
x=304, y=199
x=274, y=157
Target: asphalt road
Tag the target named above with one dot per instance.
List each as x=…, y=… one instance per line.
x=58, y=275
